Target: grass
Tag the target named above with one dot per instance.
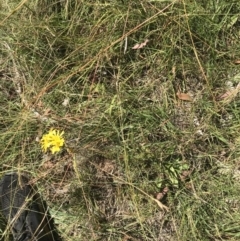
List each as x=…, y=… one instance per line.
x=70, y=65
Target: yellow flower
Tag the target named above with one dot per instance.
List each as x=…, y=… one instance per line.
x=53, y=140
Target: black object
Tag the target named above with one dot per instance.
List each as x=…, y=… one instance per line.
x=25, y=211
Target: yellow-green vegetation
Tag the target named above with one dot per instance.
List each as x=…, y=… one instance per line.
x=146, y=92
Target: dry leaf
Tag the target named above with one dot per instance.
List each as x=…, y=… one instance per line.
x=230, y=94
x=237, y=61
x=183, y=96
x=141, y=45
x=160, y=195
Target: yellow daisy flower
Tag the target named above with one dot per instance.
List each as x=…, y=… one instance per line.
x=53, y=141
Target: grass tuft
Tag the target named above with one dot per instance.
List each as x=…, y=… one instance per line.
x=133, y=145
